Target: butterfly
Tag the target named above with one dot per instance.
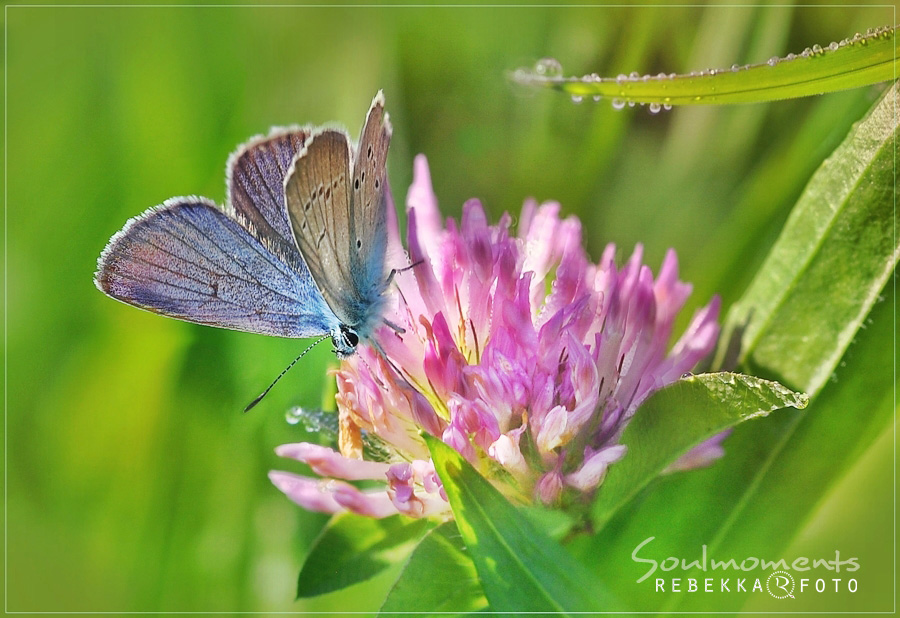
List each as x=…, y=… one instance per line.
x=297, y=251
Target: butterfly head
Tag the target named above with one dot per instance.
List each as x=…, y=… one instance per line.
x=345, y=339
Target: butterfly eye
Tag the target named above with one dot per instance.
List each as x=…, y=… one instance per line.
x=351, y=339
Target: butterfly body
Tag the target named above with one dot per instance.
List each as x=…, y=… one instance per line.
x=298, y=251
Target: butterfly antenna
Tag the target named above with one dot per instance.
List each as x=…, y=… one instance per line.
x=286, y=369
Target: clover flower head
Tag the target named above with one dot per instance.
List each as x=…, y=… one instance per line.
x=518, y=352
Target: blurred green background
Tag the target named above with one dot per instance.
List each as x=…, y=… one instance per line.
x=134, y=482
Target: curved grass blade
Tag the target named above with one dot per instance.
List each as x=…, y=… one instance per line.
x=520, y=568
x=677, y=418
x=854, y=62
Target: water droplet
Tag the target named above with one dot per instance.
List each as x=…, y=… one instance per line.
x=817, y=49
x=790, y=57
x=654, y=108
x=548, y=67
x=618, y=103
x=833, y=47
x=667, y=106
x=292, y=416
x=713, y=71
x=631, y=104
x=634, y=75
x=806, y=53
x=577, y=98
x=597, y=98
x=735, y=68
x=772, y=61
x=621, y=78
x=660, y=75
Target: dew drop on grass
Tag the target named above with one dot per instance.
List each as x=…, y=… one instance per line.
x=618, y=103
x=772, y=61
x=597, y=98
x=654, y=108
x=834, y=46
x=621, y=78
x=577, y=98
x=817, y=49
x=548, y=67
x=667, y=106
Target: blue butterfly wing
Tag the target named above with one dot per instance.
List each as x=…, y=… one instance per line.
x=189, y=260
x=368, y=208
x=255, y=178
x=337, y=210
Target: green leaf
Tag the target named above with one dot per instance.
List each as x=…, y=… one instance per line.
x=827, y=268
x=677, y=418
x=521, y=570
x=439, y=578
x=352, y=548
x=855, y=62
x=796, y=462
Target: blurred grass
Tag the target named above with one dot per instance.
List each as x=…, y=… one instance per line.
x=134, y=482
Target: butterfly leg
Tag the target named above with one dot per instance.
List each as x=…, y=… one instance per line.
x=397, y=271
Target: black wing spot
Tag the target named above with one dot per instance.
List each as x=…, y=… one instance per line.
x=377, y=183
x=356, y=184
x=304, y=225
x=358, y=243
x=328, y=193
x=369, y=152
x=321, y=237
x=307, y=206
x=363, y=176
